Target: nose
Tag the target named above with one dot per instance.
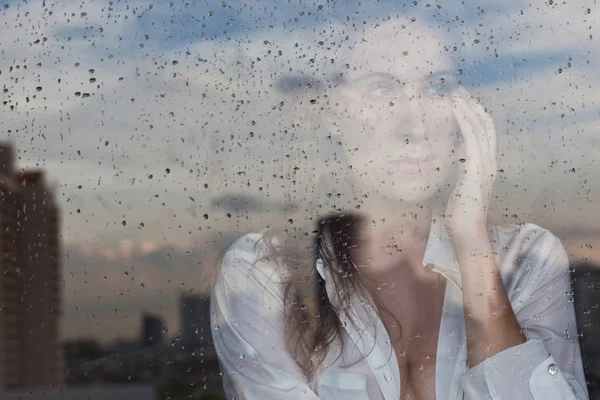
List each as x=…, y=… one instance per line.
x=410, y=120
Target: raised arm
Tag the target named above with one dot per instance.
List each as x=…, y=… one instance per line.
x=548, y=364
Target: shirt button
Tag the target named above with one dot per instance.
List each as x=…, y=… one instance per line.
x=552, y=369
x=429, y=266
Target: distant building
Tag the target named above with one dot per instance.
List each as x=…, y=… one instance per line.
x=82, y=350
x=195, y=319
x=152, y=331
x=123, y=346
x=30, y=259
x=116, y=392
x=10, y=275
x=586, y=295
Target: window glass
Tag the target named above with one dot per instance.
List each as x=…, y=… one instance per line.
x=399, y=154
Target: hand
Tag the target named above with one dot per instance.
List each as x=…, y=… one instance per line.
x=466, y=211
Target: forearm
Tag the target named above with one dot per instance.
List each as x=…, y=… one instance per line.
x=491, y=325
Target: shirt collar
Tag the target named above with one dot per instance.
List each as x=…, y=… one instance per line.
x=439, y=254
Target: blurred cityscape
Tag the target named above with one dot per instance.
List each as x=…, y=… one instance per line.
x=36, y=363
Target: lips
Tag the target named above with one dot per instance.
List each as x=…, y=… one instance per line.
x=410, y=158
x=413, y=163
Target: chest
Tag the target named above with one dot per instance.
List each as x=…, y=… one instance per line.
x=412, y=319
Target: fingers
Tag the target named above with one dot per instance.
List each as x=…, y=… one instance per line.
x=467, y=124
x=489, y=133
x=482, y=124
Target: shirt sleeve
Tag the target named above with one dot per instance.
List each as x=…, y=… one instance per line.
x=548, y=365
x=248, y=330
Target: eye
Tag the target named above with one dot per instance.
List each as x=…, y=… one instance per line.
x=382, y=92
x=383, y=89
x=440, y=87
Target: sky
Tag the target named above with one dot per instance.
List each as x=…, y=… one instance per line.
x=159, y=123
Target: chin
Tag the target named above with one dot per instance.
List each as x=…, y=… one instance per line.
x=416, y=196
x=409, y=192
x=413, y=188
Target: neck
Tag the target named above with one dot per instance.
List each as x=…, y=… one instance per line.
x=398, y=232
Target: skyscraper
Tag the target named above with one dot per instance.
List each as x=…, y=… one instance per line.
x=152, y=331
x=10, y=275
x=195, y=319
x=39, y=258
x=29, y=278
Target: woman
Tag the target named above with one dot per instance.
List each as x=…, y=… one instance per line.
x=413, y=296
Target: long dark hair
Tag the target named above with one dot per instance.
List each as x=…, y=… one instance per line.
x=312, y=321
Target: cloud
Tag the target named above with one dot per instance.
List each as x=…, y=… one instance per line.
x=248, y=204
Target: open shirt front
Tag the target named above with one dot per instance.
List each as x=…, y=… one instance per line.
x=248, y=329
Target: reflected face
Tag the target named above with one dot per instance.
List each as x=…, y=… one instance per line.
x=395, y=112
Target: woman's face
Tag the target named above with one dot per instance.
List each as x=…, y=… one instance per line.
x=394, y=112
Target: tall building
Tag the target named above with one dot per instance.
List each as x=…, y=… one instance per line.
x=10, y=275
x=152, y=331
x=195, y=319
x=30, y=260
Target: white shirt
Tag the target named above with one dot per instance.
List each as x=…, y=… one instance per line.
x=247, y=327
